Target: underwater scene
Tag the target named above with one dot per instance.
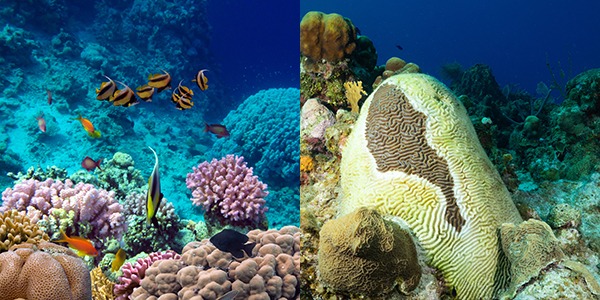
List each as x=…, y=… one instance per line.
x=449, y=151
x=149, y=150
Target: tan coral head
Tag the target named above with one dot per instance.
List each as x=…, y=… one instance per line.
x=414, y=154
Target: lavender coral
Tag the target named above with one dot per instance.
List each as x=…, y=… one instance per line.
x=77, y=208
x=228, y=191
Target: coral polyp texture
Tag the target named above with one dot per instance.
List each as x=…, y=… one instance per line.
x=133, y=273
x=205, y=272
x=414, y=154
x=228, y=191
x=79, y=209
x=362, y=240
x=16, y=228
x=43, y=271
x=326, y=36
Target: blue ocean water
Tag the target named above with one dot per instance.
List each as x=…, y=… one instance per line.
x=515, y=38
x=67, y=47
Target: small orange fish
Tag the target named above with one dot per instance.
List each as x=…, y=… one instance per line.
x=89, y=164
x=106, y=89
x=81, y=246
x=49, y=96
x=145, y=92
x=183, y=101
x=119, y=260
x=201, y=80
x=89, y=127
x=160, y=81
x=41, y=122
x=217, y=129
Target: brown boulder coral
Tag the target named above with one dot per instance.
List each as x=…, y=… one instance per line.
x=362, y=253
x=43, y=271
x=326, y=36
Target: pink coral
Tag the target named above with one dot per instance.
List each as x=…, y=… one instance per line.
x=228, y=191
x=96, y=207
x=134, y=273
x=204, y=272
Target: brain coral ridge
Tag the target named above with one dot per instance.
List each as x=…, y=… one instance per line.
x=414, y=154
x=204, y=272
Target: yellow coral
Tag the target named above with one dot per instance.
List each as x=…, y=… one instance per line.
x=16, y=228
x=354, y=92
x=102, y=288
x=307, y=163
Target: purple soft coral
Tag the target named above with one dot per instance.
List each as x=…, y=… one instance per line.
x=92, y=206
x=228, y=191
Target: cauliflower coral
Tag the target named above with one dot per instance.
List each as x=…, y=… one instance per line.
x=228, y=191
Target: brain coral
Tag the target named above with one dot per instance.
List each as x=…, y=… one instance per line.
x=43, y=271
x=414, y=154
x=363, y=253
x=326, y=36
x=264, y=129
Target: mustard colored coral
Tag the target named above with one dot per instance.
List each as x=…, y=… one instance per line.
x=361, y=253
x=414, y=154
x=102, y=287
x=354, y=92
x=326, y=36
x=307, y=163
x=16, y=228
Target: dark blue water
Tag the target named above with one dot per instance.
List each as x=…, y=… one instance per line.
x=516, y=38
x=256, y=44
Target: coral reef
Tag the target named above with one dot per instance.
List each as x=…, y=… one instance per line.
x=393, y=66
x=133, y=273
x=529, y=247
x=119, y=175
x=362, y=253
x=143, y=237
x=435, y=176
x=78, y=209
x=326, y=36
x=102, y=287
x=564, y=215
x=265, y=132
x=228, y=191
x=16, y=228
x=271, y=273
x=40, y=174
x=43, y=271
x=315, y=119
x=584, y=91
